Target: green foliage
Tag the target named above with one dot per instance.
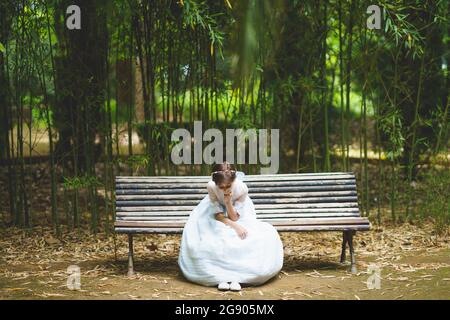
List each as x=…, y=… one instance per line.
x=433, y=192
x=391, y=125
x=196, y=14
x=401, y=30
x=86, y=181
x=122, y=111
x=305, y=67
x=138, y=162
x=244, y=121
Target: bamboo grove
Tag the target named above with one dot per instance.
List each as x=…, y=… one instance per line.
x=345, y=97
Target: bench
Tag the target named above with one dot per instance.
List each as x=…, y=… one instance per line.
x=290, y=202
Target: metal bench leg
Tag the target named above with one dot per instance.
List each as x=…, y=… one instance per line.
x=130, y=255
x=352, y=254
x=344, y=246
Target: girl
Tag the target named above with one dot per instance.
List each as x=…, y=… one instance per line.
x=223, y=244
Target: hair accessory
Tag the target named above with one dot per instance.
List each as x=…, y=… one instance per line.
x=222, y=171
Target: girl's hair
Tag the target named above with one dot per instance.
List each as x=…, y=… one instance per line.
x=223, y=173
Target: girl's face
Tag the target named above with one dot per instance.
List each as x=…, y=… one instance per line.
x=224, y=186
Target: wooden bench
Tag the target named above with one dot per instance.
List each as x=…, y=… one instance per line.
x=290, y=202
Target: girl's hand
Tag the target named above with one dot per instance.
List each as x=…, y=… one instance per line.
x=227, y=195
x=241, y=231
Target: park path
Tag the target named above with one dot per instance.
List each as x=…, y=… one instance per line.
x=413, y=263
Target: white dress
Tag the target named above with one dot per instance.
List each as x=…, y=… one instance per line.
x=212, y=252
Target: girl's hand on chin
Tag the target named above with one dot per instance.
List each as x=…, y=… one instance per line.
x=227, y=195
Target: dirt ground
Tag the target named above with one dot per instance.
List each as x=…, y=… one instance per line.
x=414, y=263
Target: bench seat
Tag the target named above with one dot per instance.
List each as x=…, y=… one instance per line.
x=290, y=202
x=305, y=224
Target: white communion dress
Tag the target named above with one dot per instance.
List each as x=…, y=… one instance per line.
x=212, y=252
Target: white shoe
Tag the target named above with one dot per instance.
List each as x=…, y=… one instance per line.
x=223, y=286
x=235, y=286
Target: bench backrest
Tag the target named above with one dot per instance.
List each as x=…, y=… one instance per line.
x=278, y=197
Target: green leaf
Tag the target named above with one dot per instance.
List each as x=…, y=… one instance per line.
x=2, y=48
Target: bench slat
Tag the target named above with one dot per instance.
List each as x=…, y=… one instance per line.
x=310, y=174
x=262, y=216
x=352, y=204
x=294, y=192
x=355, y=227
x=200, y=187
x=318, y=200
x=249, y=178
x=290, y=222
x=352, y=208
x=173, y=202
x=302, y=195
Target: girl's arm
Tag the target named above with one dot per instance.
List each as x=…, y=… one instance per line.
x=213, y=197
x=242, y=233
x=220, y=216
x=231, y=211
x=242, y=191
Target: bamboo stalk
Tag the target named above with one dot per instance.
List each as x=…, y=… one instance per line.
x=55, y=217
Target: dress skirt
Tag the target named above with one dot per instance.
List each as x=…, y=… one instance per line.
x=211, y=252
